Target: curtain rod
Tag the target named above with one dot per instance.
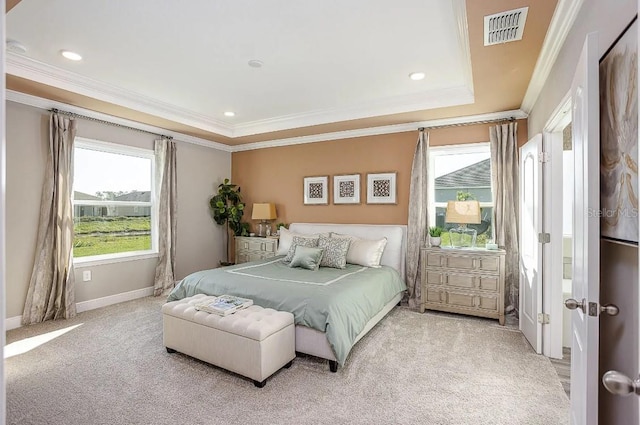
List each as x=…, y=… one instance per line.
x=84, y=117
x=462, y=124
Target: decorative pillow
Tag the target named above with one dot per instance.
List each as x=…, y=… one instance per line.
x=302, y=241
x=364, y=252
x=286, y=237
x=335, y=252
x=306, y=257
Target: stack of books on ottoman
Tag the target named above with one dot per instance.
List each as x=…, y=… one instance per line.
x=224, y=305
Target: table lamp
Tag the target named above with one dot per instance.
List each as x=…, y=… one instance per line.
x=264, y=212
x=463, y=213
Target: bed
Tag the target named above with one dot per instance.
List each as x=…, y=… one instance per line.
x=333, y=308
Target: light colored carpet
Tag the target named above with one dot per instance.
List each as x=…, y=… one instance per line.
x=412, y=368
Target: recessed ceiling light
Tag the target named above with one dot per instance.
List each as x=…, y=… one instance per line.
x=255, y=63
x=229, y=114
x=73, y=56
x=417, y=76
x=16, y=47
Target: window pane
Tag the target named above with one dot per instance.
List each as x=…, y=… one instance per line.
x=104, y=228
x=99, y=235
x=484, y=229
x=469, y=173
x=462, y=172
x=106, y=174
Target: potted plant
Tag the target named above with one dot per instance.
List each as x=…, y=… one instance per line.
x=279, y=225
x=228, y=208
x=435, y=233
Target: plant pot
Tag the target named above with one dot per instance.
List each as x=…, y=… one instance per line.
x=435, y=241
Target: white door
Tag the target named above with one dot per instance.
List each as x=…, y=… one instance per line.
x=530, y=248
x=586, y=237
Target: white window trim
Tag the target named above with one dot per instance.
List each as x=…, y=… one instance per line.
x=115, y=148
x=439, y=151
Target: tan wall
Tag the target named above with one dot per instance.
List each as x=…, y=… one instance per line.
x=276, y=174
x=200, y=240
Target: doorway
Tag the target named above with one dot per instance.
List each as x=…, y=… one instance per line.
x=558, y=175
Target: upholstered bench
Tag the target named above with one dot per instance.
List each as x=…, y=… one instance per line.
x=254, y=342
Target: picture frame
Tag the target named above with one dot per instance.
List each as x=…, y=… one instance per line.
x=316, y=190
x=346, y=189
x=381, y=188
x=619, y=140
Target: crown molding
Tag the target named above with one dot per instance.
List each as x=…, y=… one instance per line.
x=396, y=105
x=24, y=67
x=41, y=103
x=46, y=104
x=375, y=131
x=561, y=23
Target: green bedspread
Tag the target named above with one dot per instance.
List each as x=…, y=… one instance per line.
x=338, y=302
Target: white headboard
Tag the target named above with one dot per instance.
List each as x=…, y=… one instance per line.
x=394, y=252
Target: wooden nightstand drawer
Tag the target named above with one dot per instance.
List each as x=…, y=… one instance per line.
x=434, y=260
x=489, y=264
x=489, y=303
x=434, y=295
x=263, y=245
x=435, y=277
x=461, y=280
x=461, y=262
x=460, y=299
x=476, y=301
x=489, y=283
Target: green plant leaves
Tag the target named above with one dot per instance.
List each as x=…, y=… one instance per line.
x=228, y=208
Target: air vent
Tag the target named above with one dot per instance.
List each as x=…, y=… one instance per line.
x=504, y=27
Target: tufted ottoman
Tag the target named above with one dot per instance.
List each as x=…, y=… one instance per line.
x=254, y=342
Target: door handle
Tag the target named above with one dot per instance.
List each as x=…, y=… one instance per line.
x=572, y=304
x=620, y=384
x=610, y=309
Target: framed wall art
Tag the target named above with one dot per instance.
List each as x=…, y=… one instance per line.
x=381, y=188
x=619, y=139
x=346, y=189
x=316, y=190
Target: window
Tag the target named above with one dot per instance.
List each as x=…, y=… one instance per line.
x=461, y=170
x=113, y=201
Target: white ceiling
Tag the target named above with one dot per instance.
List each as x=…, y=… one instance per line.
x=324, y=61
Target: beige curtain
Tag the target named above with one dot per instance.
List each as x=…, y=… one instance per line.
x=51, y=288
x=418, y=218
x=504, y=175
x=167, y=197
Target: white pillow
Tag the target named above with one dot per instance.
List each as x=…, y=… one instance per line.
x=286, y=237
x=364, y=252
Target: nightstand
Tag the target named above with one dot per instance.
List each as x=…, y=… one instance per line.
x=465, y=281
x=255, y=248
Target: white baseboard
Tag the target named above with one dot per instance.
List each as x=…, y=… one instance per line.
x=12, y=323
x=113, y=299
x=16, y=322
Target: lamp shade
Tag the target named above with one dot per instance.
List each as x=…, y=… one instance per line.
x=265, y=211
x=463, y=212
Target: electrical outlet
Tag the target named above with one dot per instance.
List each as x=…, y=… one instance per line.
x=86, y=275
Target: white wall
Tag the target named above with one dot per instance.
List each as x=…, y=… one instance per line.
x=619, y=264
x=608, y=18
x=200, y=240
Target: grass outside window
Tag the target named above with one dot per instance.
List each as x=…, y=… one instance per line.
x=111, y=235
